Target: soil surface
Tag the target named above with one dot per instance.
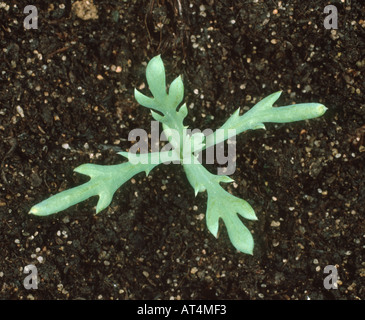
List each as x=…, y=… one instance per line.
x=66, y=98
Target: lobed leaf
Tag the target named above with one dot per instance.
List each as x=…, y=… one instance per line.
x=163, y=102
x=104, y=181
x=264, y=112
x=224, y=205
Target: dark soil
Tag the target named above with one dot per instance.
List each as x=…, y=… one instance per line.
x=66, y=98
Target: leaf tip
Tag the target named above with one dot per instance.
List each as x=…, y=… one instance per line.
x=249, y=251
x=33, y=211
x=36, y=211
x=259, y=126
x=321, y=109
x=157, y=116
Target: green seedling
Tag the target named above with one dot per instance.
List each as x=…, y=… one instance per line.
x=183, y=148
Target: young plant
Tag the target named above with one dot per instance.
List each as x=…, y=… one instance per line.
x=185, y=149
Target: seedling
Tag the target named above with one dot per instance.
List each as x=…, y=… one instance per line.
x=185, y=149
